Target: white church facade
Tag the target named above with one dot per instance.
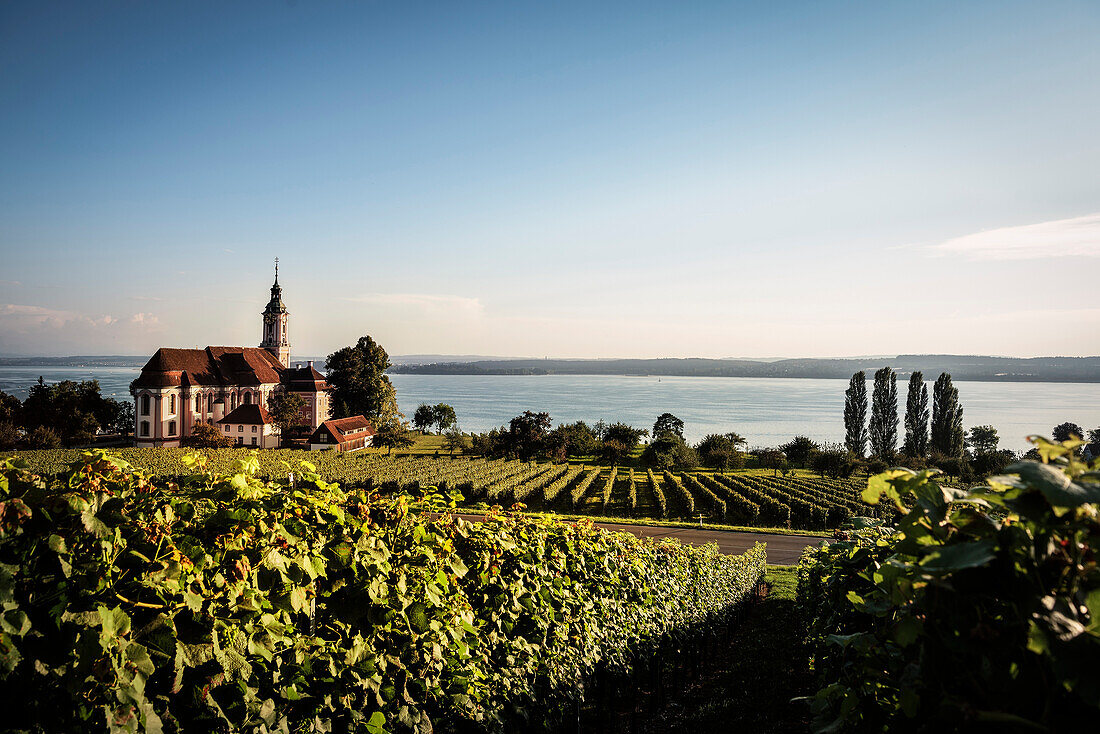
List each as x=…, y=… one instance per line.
x=180, y=388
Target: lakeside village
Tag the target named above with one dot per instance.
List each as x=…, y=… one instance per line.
x=255, y=397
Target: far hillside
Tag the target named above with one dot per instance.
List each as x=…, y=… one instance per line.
x=961, y=367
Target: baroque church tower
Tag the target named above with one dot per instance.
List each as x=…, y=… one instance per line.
x=275, y=322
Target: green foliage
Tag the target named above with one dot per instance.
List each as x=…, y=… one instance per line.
x=947, y=437
x=668, y=451
x=799, y=450
x=668, y=423
x=720, y=451
x=70, y=411
x=444, y=417
x=983, y=439
x=916, y=418
x=1067, y=431
x=285, y=408
x=883, y=429
x=855, y=414
x=980, y=608
x=130, y=604
x=423, y=417
x=207, y=436
x=359, y=384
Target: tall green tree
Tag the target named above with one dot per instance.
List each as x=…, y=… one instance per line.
x=1066, y=431
x=984, y=439
x=947, y=431
x=916, y=418
x=423, y=418
x=799, y=450
x=855, y=414
x=444, y=416
x=883, y=430
x=668, y=423
x=359, y=383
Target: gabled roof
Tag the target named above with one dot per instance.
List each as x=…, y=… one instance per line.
x=304, y=379
x=344, y=429
x=250, y=414
x=211, y=367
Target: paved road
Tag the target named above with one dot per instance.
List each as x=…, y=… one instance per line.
x=782, y=549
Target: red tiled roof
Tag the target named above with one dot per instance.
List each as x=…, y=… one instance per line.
x=338, y=428
x=212, y=367
x=250, y=414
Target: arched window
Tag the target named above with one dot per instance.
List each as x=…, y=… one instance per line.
x=198, y=403
x=145, y=425
x=171, y=428
x=145, y=405
x=248, y=398
x=210, y=403
x=233, y=402
x=172, y=405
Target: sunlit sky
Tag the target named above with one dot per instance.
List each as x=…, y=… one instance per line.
x=589, y=179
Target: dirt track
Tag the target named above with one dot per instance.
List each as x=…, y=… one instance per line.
x=782, y=549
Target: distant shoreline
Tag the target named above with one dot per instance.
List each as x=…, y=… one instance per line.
x=962, y=368
x=1084, y=370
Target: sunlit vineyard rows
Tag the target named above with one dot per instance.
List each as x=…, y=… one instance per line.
x=798, y=502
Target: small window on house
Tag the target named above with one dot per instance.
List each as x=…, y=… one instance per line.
x=145, y=426
x=253, y=429
x=240, y=429
x=227, y=429
x=171, y=428
x=145, y=405
x=253, y=440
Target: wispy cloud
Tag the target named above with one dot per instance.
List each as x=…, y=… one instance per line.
x=1077, y=237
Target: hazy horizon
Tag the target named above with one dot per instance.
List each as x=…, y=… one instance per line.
x=607, y=180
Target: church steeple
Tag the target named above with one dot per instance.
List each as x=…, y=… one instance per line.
x=275, y=323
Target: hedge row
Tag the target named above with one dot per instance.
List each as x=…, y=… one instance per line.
x=220, y=603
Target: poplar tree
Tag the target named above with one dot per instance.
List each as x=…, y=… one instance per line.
x=916, y=418
x=884, y=414
x=855, y=414
x=947, y=430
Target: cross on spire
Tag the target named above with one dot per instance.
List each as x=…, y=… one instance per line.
x=276, y=271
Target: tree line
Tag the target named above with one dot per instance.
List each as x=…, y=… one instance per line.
x=66, y=413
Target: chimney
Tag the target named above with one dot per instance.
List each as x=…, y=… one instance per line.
x=310, y=363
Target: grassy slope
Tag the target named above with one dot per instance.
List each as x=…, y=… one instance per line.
x=765, y=667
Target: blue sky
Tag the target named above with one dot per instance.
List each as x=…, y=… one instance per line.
x=564, y=179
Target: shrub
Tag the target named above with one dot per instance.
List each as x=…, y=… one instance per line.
x=980, y=608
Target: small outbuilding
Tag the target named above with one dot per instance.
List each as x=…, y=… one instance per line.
x=251, y=425
x=342, y=434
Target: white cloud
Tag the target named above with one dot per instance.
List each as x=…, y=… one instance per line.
x=1077, y=237
x=144, y=319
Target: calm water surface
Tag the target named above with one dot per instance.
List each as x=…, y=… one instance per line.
x=767, y=411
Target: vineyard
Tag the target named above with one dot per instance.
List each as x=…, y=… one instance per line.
x=797, y=502
x=228, y=603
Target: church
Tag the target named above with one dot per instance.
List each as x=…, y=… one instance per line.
x=228, y=387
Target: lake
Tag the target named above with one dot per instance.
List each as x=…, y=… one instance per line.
x=766, y=411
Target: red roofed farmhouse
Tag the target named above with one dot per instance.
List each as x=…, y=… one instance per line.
x=342, y=434
x=179, y=388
